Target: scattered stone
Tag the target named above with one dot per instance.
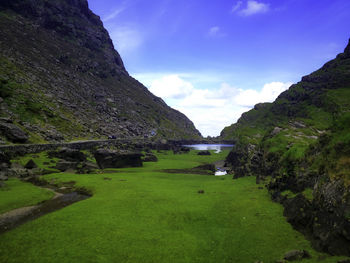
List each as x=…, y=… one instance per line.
x=204, y=153
x=1, y=100
x=30, y=164
x=276, y=131
x=7, y=120
x=200, y=191
x=13, y=133
x=296, y=255
x=114, y=159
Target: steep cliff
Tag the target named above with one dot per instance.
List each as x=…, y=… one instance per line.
x=300, y=146
x=62, y=79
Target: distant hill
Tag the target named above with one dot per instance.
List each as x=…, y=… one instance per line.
x=62, y=79
x=300, y=146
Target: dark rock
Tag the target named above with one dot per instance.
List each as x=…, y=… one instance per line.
x=204, y=153
x=69, y=154
x=344, y=261
x=13, y=133
x=200, y=191
x=63, y=165
x=30, y=164
x=149, y=157
x=87, y=168
x=296, y=255
x=3, y=176
x=113, y=159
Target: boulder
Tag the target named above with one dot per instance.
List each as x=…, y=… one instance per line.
x=86, y=168
x=114, y=159
x=13, y=133
x=149, y=157
x=71, y=155
x=4, y=161
x=204, y=153
x=296, y=255
x=63, y=165
x=30, y=164
x=3, y=176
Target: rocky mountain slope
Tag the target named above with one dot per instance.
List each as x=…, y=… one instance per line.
x=299, y=146
x=61, y=79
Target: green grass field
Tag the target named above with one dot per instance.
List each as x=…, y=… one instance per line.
x=145, y=215
x=18, y=194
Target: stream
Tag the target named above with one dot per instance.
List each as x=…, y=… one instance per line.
x=19, y=216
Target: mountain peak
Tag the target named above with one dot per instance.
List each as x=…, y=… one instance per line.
x=72, y=19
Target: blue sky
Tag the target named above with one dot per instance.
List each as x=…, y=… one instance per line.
x=213, y=60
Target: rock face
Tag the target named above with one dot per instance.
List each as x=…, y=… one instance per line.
x=113, y=159
x=60, y=51
x=13, y=133
x=301, y=141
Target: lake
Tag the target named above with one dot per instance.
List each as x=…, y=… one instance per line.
x=204, y=147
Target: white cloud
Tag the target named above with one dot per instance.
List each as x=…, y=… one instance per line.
x=126, y=39
x=210, y=109
x=215, y=31
x=268, y=93
x=171, y=87
x=113, y=15
x=252, y=7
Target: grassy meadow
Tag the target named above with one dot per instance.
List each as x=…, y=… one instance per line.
x=147, y=215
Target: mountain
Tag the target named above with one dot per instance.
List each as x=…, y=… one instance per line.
x=299, y=146
x=62, y=79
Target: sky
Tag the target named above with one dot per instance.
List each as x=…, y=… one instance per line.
x=214, y=60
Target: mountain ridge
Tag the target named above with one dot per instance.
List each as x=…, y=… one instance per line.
x=299, y=147
x=62, y=79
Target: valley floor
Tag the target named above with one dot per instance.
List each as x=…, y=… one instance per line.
x=148, y=215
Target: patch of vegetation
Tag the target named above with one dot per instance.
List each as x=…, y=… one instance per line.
x=42, y=160
x=143, y=215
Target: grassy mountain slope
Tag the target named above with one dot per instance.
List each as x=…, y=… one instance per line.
x=302, y=141
x=61, y=79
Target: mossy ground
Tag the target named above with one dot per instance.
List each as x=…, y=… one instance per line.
x=144, y=215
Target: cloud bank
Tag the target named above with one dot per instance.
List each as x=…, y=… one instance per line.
x=211, y=109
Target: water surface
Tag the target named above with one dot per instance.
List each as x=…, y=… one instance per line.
x=204, y=147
